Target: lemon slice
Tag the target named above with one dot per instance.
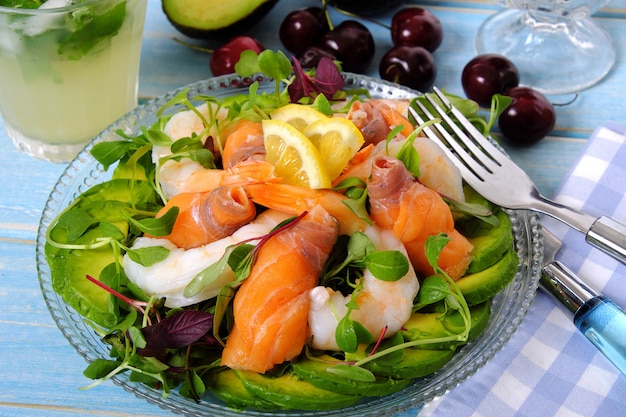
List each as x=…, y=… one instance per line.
x=337, y=140
x=296, y=160
x=297, y=115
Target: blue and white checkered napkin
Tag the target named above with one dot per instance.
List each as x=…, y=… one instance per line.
x=548, y=368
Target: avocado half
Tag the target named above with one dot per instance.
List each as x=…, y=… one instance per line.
x=207, y=19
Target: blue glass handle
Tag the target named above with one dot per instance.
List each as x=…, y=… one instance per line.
x=604, y=324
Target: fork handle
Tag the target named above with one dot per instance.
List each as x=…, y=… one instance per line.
x=609, y=236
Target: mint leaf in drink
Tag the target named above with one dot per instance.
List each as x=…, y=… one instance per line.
x=22, y=4
x=90, y=28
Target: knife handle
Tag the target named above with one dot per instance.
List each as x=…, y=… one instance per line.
x=604, y=324
x=595, y=316
x=609, y=236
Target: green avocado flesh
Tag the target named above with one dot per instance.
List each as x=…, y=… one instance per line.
x=206, y=19
x=412, y=363
x=290, y=392
x=228, y=387
x=316, y=372
x=483, y=285
x=102, y=204
x=424, y=326
x=490, y=243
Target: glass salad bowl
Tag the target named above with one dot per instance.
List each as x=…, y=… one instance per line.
x=507, y=310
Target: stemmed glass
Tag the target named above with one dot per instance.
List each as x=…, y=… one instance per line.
x=556, y=46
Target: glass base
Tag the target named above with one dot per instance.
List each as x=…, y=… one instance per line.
x=63, y=152
x=552, y=56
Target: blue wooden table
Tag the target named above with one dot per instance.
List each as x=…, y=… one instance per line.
x=40, y=373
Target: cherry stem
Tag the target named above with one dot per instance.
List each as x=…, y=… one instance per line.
x=367, y=19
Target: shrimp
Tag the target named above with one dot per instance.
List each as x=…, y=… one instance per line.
x=186, y=177
x=437, y=171
x=381, y=304
x=414, y=212
x=295, y=200
x=169, y=277
x=272, y=305
x=206, y=217
x=375, y=119
x=243, y=144
x=186, y=123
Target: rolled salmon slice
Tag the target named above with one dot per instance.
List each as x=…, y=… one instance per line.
x=271, y=306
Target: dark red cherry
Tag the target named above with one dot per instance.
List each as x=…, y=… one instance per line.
x=415, y=26
x=529, y=118
x=352, y=44
x=302, y=29
x=411, y=66
x=225, y=57
x=312, y=55
x=486, y=75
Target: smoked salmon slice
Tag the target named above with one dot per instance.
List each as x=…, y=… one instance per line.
x=414, y=212
x=271, y=307
x=205, y=217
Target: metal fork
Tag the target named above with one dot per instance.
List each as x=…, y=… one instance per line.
x=495, y=176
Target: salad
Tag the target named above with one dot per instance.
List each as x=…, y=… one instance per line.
x=330, y=256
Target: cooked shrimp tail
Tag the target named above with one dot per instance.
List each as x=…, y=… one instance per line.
x=295, y=200
x=381, y=305
x=187, y=176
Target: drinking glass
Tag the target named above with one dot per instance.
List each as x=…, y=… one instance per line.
x=555, y=44
x=67, y=71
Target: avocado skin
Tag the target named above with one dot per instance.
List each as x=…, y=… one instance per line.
x=483, y=285
x=198, y=30
x=423, y=326
x=288, y=391
x=227, y=386
x=314, y=371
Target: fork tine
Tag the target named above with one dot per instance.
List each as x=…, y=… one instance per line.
x=471, y=154
x=488, y=148
x=436, y=137
x=470, y=174
x=475, y=167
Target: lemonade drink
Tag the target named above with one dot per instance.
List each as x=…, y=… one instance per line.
x=66, y=74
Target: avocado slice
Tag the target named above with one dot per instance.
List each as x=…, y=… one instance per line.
x=483, y=285
x=288, y=391
x=414, y=363
x=102, y=204
x=207, y=19
x=227, y=386
x=423, y=326
x=490, y=242
x=315, y=372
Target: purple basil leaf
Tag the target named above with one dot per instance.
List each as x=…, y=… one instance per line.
x=302, y=85
x=328, y=79
x=186, y=327
x=156, y=340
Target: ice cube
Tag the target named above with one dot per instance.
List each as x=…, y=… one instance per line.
x=38, y=24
